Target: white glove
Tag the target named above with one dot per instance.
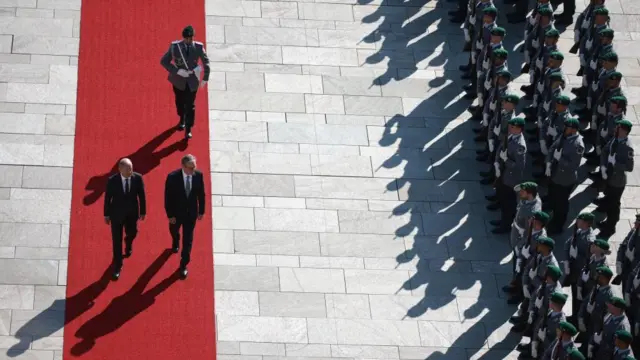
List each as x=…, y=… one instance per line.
x=602, y=110
x=543, y=147
x=535, y=43
x=593, y=65
x=547, y=171
x=552, y=131
x=579, y=292
x=542, y=334
x=567, y=268
x=530, y=319
x=627, y=299
x=540, y=87
x=492, y=106
x=532, y=20
x=546, y=105
x=585, y=25
x=491, y=145
x=472, y=20
x=496, y=130
x=184, y=73
x=539, y=122
x=590, y=351
x=598, y=150
x=594, y=122
x=538, y=302
x=497, y=167
x=532, y=274
x=485, y=119
x=581, y=326
x=629, y=254
x=203, y=83
x=534, y=349
x=525, y=292
x=589, y=44
x=594, y=86
x=611, y=159
x=573, y=252
x=585, y=276
x=603, y=172
x=503, y=155
x=539, y=63
x=487, y=85
x=589, y=102
x=597, y=338
x=557, y=154
x=619, y=267
x=478, y=44
x=525, y=252
x=467, y=36
x=603, y=132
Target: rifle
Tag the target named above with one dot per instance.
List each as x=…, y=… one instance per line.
x=574, y=48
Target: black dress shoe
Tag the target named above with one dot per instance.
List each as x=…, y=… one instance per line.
x=487, y=181
x=501, y=230
x=581, y=71
x=492, y=198
x=478, y=131
x=480, y=138
x=526, y=88
x=183, y=273
x=516, y=319
x=115, y=275
x=180, y=125
x=188, y=135
x=473, y=108
x=175, y=249
x=599, y=202
x=467, y=87
x=493, y=206
x=481, y=152
x=464, y=68
x=128, y=251
x=518, y=328
x=523, y=347
x=593, y=161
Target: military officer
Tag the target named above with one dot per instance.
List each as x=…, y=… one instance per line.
x=553, y=125
x=524, y=252
x=594, y=308
x=562, y=166
x=607, y=128
x=605, y=45
x=540, y=61
x=499, y=122
x=622, y=350
x=584, y=20
x=473, y=23
x=603, y=343
x=600, y=107
x=485, y=55
x=563, y=345
x=590, y=40
x=493, y=106
x=547, y=326
x=598, y=250
x=547, y=105
x=181, y=62
x=535, y=40
x=487, y=80
x=578, y=253
x=599, y=85
x=483, y=35
x=631, y=293
x=628, y=256
x=616, y=161
x=539, y=303
x=543, y=86
x=509, y=168
x=532, y=18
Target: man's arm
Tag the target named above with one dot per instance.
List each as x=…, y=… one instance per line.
x=166, y=59
x=142, y=197
x=205, y=63
x=201, y=197
x=108, y=196
x=168, y=206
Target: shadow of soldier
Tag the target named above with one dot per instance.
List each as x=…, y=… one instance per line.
x=50, y=320
x=144, y=160
x=125, y=307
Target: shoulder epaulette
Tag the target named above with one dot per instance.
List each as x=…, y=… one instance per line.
x=198, y=43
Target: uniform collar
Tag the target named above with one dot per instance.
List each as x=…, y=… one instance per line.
x=572, y=136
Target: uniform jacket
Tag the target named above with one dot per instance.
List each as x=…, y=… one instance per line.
x=524, y=212
x=565, y=171
x=607, y=128
x=539, y=271
x=629, y=252
x=548, y=102
x=539, y=303
x=551, y=353
x=597, y=299
x=500, y=120
x=172, y=62
x=577, y=252
x=585, y=286
x=516, y=160
x=554, y=120
x=610, y=325
x=623, y=152
x=546, y=326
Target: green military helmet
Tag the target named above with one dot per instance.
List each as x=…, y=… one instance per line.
x=605, y=271
x=517, y=121
x=575, y=354
x=572, y=123
x=556, y=76
x=611, y=56
x=505, y=74
x=528, y=186
x=499, y=31
x=512, y=98
x=552, y=33
x=618, y=302
x=624, y=336
x=541, y=216
x=587, y=216
x=602, y=244
x=546, y=241
x=188, y=31
x=501, y=54
x=566, y=326
x=554, y=272
x=619, y=100
x=563, y=100
x=616, y=75
x=545, y=10
x=625, y=124
x=601, y=11
x=491, y=10
x=560, y=298
x=607, y=33
x=556, y=55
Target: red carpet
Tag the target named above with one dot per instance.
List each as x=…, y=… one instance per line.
x=125, y=107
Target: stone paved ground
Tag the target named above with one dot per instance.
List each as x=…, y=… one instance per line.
x=349, y=222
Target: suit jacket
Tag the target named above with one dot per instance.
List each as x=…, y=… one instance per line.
x=172, y=62
x=176, y=202
x=118, y=205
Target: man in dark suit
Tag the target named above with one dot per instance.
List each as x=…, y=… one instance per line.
x=124, y=204
x=184, y=202
x=186, y=75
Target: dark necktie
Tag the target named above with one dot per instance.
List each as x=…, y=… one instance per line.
x=126, y=186
x=186, y=50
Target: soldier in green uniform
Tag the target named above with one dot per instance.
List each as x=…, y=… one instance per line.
x=631, y=293
x=539, y=303
x=541, y=59
x=598, y=86
x=589, y=42
x=543, y=87
x=483, y=35
x=578, y=253
x=622, y=346
x=616, y=161
x=547, y=105
x=563, y=345
x=499, y=123
x=600, y=107
x=602, y=343
x=607, y=128
x=562, y=165
x=553, y=125
x=546, y=327
x=594, y=306
x=628, y=256
x=588, y=279
x=535, y=40
x=584, y=21
x=605, y=45
x=493, y=105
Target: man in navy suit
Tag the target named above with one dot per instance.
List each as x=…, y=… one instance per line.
x=184, y=203
x=124, y=204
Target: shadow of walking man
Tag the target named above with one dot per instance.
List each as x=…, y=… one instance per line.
x=124, y=307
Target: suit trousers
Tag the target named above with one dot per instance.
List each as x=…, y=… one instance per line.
x=508, y=202
x=130, y=226
x=188, y=226
x=186, y=105
x=559, y=204
x=611, y=205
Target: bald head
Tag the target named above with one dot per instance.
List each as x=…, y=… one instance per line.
x=125, y=166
